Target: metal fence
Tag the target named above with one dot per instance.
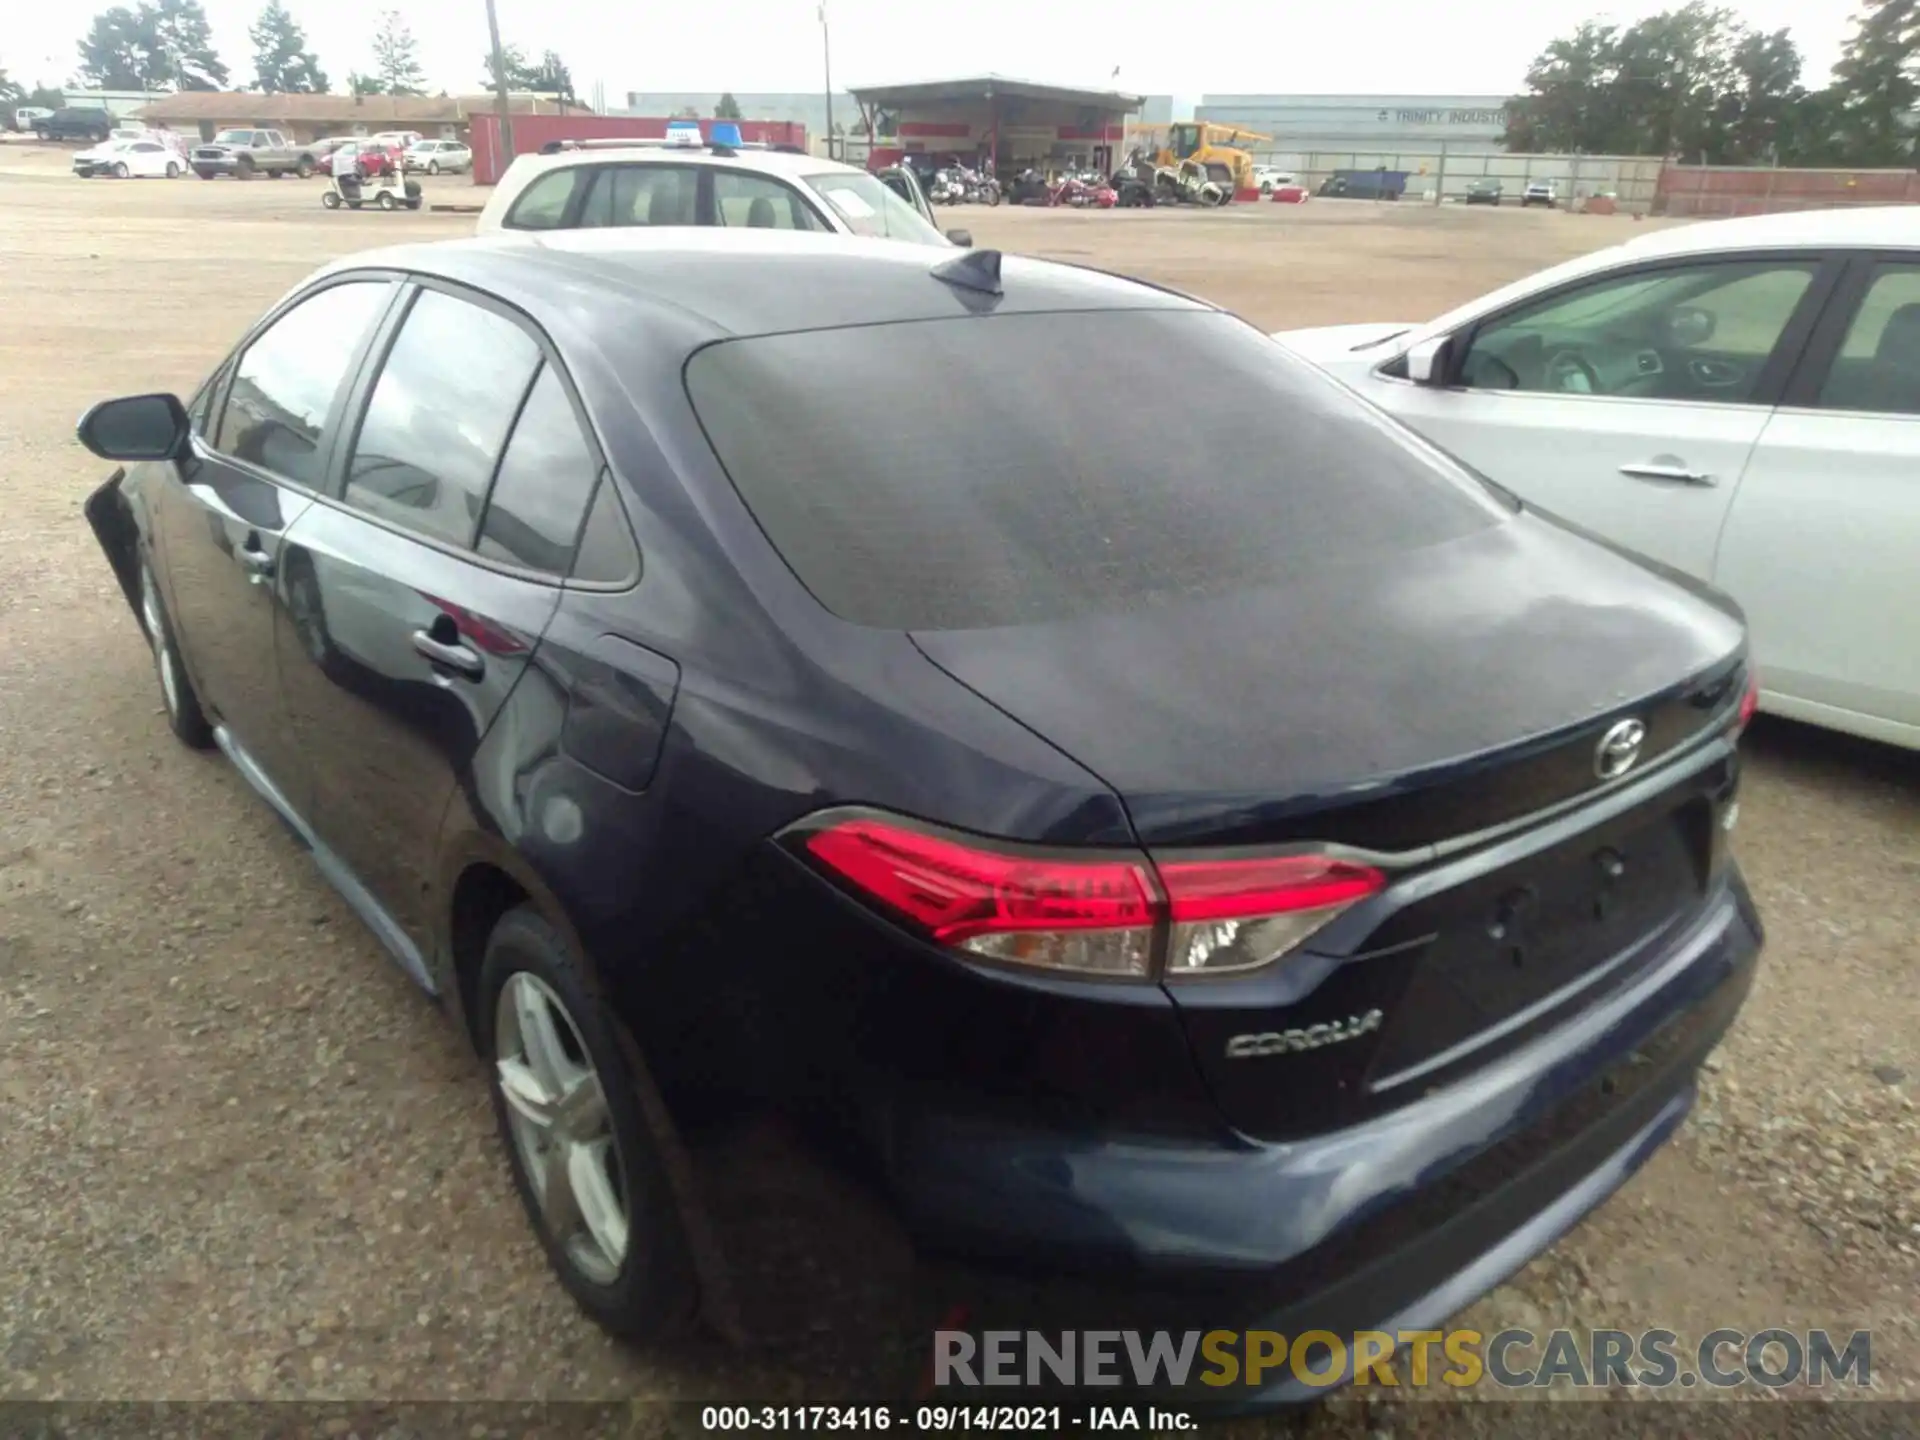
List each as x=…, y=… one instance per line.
x=1632, y=181
x=1718, y=190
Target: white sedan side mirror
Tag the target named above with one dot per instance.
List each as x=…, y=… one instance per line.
x=1427, y=361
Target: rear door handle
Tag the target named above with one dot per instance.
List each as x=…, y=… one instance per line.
x=256, y=562
x=457, y=658
x=1674, y=473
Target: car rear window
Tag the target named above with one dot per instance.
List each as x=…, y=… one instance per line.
x=996, y=470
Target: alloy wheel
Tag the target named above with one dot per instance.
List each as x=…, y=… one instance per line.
x=562, y=1130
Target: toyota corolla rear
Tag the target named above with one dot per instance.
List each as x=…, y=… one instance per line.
x=1418, y=916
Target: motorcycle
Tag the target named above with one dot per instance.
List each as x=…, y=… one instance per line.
x=946, y=187
x=979, y=187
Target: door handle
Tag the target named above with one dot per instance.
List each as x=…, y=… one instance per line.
x=256, y=562
x=442, y=656
x=1675, y=473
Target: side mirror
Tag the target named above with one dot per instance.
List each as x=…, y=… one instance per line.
x=1427, y=361
x=139, y=427
x=962, y=238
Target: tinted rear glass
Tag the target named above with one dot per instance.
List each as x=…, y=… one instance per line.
x=962, y=473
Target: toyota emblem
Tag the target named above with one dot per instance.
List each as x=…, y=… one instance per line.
x=1619, y=749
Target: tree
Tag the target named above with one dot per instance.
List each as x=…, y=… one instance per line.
x=1694, y=82
x=555, y=78
x=726, y=107
x=358, y=84
x=155, y=45
x=10, y=93
x=396, y=57
x=281, y=60
x=117, y=52
x=546, y=76
x=47, y=97
x=1874, y=92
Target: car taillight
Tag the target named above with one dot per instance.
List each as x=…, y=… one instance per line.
x=1749, y=702
x=1085, y=915
x=1239, y=914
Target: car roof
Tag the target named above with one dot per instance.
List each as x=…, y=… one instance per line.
x=716, y=282
x=1869, y=226
x=766, y=162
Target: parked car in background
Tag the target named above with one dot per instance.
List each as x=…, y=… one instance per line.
x=26, y=115
x=244, y=154
x=322, y=150
x=1270, y=178
x=435, y=156
x=398, y=140
x=75, y=122
x=931, y=801
x=623, y=183
x=1738, y=400
x=140, y=159
x=1540, y=192
x=1484, y=191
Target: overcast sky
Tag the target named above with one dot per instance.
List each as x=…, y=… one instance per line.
x=1217, y=46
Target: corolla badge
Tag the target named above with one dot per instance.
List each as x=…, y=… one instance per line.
x=1619, y=749
x=1312, y=1037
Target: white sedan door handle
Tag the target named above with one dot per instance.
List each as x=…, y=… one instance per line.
x=1666, y=468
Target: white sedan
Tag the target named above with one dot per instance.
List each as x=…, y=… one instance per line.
x=144, y=158
x=1739, y=400
x=433, y=156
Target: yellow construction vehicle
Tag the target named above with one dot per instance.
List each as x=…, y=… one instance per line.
x=1219, y=149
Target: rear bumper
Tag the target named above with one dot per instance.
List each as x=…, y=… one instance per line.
x=1391, y=1225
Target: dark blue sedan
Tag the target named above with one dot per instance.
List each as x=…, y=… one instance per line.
x=1159, y=822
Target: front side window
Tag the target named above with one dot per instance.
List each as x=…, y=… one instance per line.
x=642, y=195
x=284, y=387
x=438, y=417
x=757, y=203
x=540, y=495
x=543, y=204
x=233, y=137
x=869, y=208
x=1878, y=366
x=1691, y=332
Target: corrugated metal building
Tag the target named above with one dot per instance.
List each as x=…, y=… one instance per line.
x=1371, y=124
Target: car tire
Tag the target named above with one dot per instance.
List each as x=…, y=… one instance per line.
x=243, y=169
x=565, y=1092
x=433, y=167
x=121, y=172
x=173, y=171
x=304, y=169
x=184, y=716
x=385, y=200
x=40, y=135
x=331, y=200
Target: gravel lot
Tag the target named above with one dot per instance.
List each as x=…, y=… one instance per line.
x=244, y=1159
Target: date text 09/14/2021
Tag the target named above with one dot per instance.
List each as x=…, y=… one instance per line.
x=940, y=1419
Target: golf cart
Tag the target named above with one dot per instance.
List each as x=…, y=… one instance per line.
x=383, y=192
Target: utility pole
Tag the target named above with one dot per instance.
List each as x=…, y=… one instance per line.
x=826, y=56
x=500, y=89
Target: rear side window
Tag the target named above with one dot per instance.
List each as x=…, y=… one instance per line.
x=546, y=478
x=642, y=195
x=755, y=202
x=607, y=555
x=543, y=204
x=438, y=417
x=283, y=390
x=1075, y=464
